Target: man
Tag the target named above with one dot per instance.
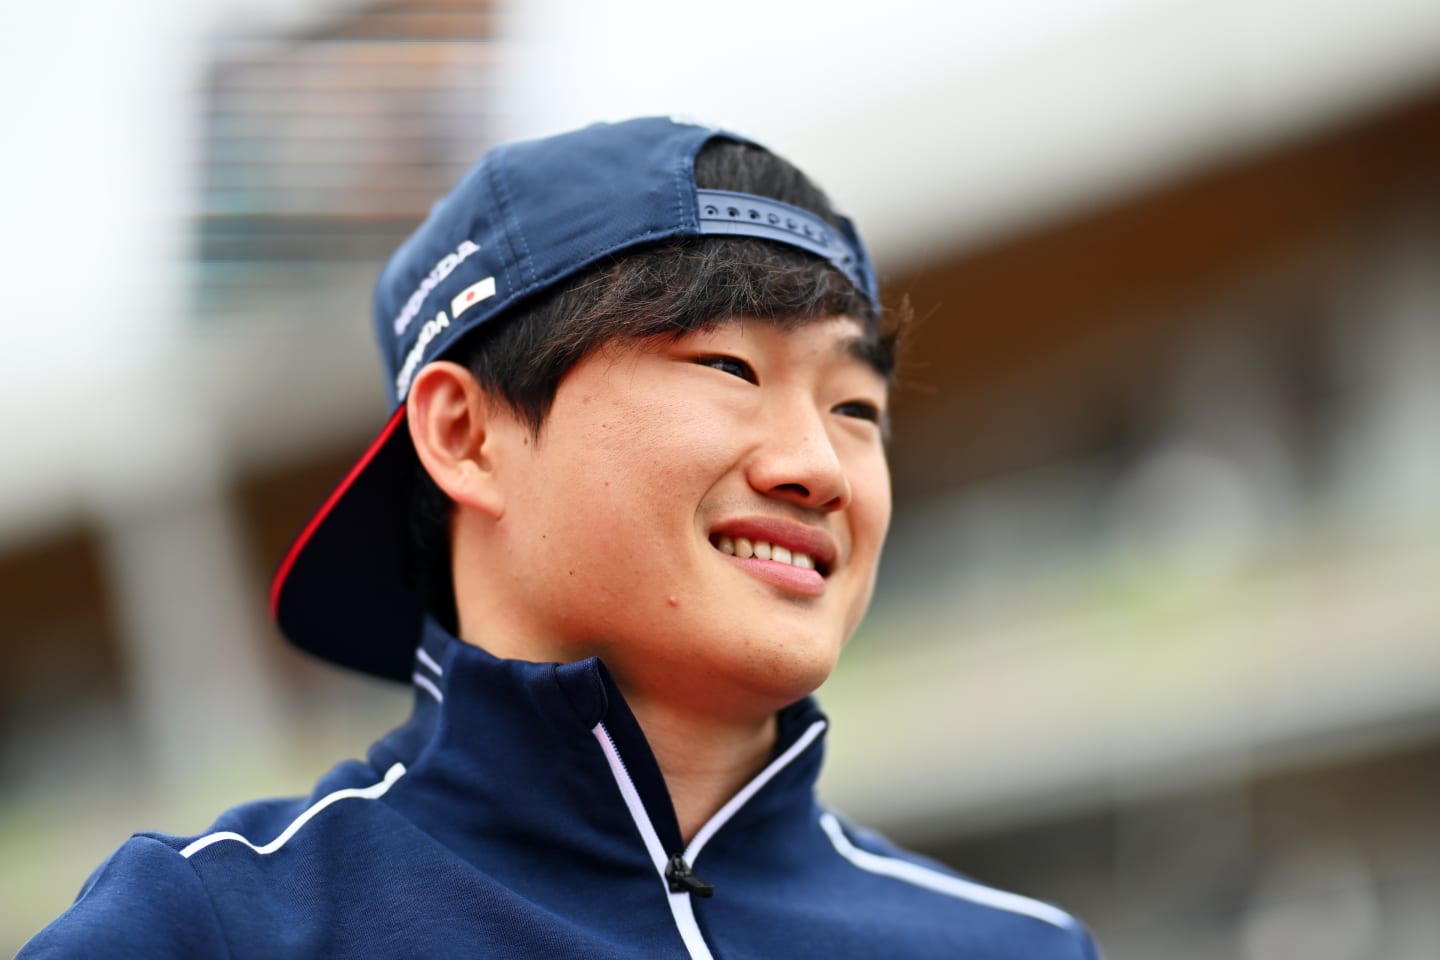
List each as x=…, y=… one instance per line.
x=626, y=512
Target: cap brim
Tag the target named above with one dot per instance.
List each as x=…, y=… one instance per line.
x=339, y=593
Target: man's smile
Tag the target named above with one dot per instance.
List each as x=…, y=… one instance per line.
x=794, y=557
x=777, y=540
x=762, y=550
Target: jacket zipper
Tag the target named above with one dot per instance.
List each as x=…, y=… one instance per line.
x=676, y=870
x=681, y=907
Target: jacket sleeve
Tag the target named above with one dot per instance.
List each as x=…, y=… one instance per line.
x=144, y=901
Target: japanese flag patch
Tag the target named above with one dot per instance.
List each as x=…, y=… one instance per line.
x=472, y=295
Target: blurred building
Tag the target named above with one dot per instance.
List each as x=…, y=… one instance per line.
x=1157, y=635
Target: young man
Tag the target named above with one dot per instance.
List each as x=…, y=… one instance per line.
x=626, y=512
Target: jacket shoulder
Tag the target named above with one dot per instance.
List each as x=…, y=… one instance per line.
x=154, y=898
x=145, y=900
x=1010, y=924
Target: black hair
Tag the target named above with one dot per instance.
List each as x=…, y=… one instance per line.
x=664, y=291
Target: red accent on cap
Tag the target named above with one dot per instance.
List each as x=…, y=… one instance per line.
x=291, y=555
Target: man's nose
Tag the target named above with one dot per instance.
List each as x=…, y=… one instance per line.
x=797, y=461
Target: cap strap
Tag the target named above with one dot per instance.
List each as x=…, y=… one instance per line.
x=744, y=214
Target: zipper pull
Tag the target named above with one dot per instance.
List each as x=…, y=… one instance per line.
x=682, y=880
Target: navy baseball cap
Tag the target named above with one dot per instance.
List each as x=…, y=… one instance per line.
x=528, y=216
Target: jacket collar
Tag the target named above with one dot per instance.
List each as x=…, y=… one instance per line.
x=509, y=749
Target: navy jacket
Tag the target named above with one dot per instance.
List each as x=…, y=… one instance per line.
x=521, y=814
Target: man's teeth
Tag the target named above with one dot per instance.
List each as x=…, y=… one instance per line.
x=745, y=548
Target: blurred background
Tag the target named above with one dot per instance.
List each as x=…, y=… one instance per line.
x=1158, y=634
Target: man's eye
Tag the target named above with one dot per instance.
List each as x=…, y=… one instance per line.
x=731, y=365
x=861, y=410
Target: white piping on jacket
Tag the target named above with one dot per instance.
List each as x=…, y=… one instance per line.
x=429, y=661
x=426, y=684
x=941, y=882
x=681, y=905
x=350, y=793
x=711, y=826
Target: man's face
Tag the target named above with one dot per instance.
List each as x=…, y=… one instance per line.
x=660, y=465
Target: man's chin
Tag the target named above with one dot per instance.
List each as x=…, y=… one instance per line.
x=779, y=677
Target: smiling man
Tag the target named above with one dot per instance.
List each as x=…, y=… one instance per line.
x=627, y=510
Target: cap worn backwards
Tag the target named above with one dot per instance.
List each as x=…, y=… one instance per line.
x=529, y=215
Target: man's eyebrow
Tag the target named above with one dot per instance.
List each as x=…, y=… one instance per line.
x=869, y=351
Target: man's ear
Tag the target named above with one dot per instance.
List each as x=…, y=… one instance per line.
x=451, y=420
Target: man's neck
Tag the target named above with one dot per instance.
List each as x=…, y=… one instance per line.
x=705, y=762
x=706, y=751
